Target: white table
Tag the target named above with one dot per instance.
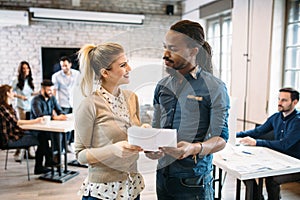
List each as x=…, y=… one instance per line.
x=55, y=127
x=248, y=162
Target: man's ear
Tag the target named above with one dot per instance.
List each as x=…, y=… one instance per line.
x=194, y=51
x=295, y=102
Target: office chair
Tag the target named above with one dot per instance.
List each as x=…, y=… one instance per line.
x=31, y=141
x=268, y=136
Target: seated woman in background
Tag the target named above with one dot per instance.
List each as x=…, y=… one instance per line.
x=11, y=133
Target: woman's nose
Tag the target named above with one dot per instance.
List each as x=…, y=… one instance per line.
x=128, y=68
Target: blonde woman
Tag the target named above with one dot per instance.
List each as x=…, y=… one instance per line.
x=102, y=120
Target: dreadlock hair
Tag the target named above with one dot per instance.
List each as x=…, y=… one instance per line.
x=196, y=38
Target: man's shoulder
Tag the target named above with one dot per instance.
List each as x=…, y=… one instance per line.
x=75, y=71
x=297, y=115
x=57, y=73
x=164, y=80
x=37, y=97
x=210, y=78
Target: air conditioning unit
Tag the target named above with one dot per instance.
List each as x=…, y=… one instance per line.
x=13, y=17
x=84, y=16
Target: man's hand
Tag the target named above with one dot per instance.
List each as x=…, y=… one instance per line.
x=61, y=117
x=183, y=150
x=248, y=141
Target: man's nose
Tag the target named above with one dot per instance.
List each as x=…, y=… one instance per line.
x=167, y=53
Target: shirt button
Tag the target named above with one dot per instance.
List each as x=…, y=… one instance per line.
x=281, y=131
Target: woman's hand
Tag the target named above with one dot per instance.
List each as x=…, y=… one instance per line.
x=154, y=155
x=124, y=150
x=24, y=98
x=146, y=125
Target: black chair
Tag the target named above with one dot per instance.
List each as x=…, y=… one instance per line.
x=24, y=143
x=267, y=136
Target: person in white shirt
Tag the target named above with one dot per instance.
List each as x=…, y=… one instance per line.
x=24, y=91
x=64, y=82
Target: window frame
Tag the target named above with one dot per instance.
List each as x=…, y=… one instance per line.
x=219, y=69
x=291, y=71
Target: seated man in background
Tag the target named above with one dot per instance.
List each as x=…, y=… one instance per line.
x=286, y=127
x=41, y=105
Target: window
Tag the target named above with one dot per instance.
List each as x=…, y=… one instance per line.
x=292, y=45
x=219, y=36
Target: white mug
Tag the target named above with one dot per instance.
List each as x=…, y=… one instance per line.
x=47, y=119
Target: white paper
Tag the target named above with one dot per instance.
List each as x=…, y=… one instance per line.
x=150, y=139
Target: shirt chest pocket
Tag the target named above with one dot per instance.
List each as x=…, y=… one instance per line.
x=193, y=103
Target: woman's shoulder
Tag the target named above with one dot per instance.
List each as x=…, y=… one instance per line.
x=128, y=94
x=92, y=99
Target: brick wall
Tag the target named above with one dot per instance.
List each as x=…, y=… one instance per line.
x=24, y=42
x=123, y=6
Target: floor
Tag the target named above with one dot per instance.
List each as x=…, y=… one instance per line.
x=14, y=184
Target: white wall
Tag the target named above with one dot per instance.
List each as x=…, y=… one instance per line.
x=258, y=37
x=263, y=43
x=276, y=69
x=144, y=76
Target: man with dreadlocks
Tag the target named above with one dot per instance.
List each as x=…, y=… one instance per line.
x=195, y=103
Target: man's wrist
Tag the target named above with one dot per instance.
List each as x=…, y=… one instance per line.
x=201, y=149
x=198, y=148
x=198, y=151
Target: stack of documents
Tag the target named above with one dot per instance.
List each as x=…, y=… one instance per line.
x=150, y=139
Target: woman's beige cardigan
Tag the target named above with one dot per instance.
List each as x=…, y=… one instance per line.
x=96, y=129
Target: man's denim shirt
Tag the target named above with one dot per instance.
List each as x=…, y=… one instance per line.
x=196, y=105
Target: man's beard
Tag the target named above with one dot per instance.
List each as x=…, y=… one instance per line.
x=169, y=69
x=287, y=109
x=47, y=95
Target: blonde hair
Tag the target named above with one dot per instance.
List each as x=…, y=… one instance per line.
x=93, y=58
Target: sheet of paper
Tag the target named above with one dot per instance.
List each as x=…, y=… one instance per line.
x=251, y=159
x=150, y=139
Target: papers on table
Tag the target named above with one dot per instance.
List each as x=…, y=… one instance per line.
x=252, y=159
x=150, y=139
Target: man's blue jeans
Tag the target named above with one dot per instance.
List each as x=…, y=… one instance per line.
x=173, y=188
x=93, y=198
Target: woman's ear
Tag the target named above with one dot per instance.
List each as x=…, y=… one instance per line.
x=104, y=73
